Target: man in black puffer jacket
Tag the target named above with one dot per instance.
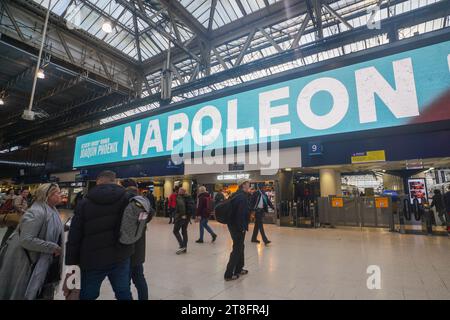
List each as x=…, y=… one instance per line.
x=93, y=242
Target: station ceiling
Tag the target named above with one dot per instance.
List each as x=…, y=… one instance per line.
x=93, y=77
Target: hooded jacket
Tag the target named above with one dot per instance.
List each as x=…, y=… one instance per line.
x=93, y=241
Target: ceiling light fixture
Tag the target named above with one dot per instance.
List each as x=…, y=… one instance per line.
x=107, y=27
x=2, y=102
x=41, y=74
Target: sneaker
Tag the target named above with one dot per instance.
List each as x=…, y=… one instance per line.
x=233, y=277
x=214, y=237
x=199, y=241
x=181, y=250
x=256, y=241
x=243, y=272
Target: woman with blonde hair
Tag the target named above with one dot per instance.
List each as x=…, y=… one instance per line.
x=31, y=259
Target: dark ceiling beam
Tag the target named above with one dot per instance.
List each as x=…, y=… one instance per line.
x=55, y=21
x=182, y=14
x=13, y=20
x=156, y=27
x=265, y=17
x=211, y=15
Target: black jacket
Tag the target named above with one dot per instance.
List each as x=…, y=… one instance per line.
x=255, y=200
x=152, y=200
x=93, y=241
x=447, y=201
x=241, y=211
x=438, y=202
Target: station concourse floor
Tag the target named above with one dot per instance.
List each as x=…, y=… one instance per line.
x=298, y=264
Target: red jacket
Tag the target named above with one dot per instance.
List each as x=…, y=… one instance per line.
x=172, y=200
x=202, y=205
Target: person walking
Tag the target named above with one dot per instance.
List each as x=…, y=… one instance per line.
x=183, y=212
x=31, y=260
x=238, y=226
x=172, y=203
x=152, y=199
x=138, y=258
x=260, y=203
x=93, y=242
x=438, y=203
x=219, y=197
x=202, y=214
x=19, y=205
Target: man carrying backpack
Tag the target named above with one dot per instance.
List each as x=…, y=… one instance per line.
x=238, y=226
x=93, y=242
x=138, y=258
x=183, y=212
x=204, y=208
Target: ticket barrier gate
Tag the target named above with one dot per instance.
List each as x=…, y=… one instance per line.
x=416, y=218
x=300, y=214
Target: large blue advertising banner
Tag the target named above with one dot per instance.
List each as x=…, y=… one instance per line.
x=401, y=89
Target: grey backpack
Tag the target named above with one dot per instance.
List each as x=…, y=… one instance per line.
x=135, y=217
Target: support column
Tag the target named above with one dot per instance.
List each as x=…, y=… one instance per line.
x=168, y=187
x=330, y=182
x=186, y=185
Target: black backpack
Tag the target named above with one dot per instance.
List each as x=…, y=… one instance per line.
x=224, y=210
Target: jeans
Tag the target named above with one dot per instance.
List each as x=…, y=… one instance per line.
x=118, y=275
x=171, y=215
x=204, y=225
x=259, y=226
x=8, y=233
x=183, y=238
x=137, y=275
x=236, y=262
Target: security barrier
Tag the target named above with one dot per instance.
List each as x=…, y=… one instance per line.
x=355, y=211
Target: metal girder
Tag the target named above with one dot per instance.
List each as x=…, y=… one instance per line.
x=60, y=88
x=318, y=14
x=17, y=78
x=337, y=15
x=263, y=18
x=167, y=35
x=300, y=32
x=181, y=13
x=219, y=58
x=136, y=38
x=241, y=7
x=269, y=38
x=211, y=15
x=244, y=49
x=66, y=47
x=13, y=20
x=58, y=22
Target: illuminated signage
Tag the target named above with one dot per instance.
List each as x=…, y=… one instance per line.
x=395, y=90
x=369, y=156
x=233, y=176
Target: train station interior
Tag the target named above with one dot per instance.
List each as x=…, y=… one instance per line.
x=266, y=149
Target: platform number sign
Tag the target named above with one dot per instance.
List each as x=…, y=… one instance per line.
x=315, y=148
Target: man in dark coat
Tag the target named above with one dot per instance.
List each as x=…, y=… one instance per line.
x=439, y=204
x=93, y=241
x=260, y=203
x=238, y=226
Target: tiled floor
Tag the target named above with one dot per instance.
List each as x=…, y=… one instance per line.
x=299, y=264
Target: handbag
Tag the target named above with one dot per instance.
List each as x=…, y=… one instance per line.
x=10, y=219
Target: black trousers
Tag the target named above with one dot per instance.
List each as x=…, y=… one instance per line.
x=259, y=226
x=236, y=262
x=183, y=237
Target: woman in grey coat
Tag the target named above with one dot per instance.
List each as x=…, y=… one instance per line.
x=31, y=259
